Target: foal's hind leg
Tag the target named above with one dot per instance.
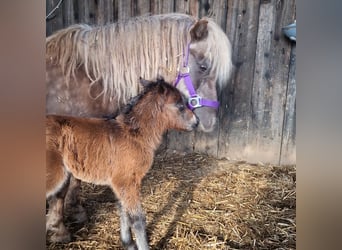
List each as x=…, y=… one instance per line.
x=57, y=182
x=54, y=220
x=72, y=201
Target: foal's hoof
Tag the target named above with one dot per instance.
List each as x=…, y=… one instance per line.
x=61, y=237
x=80, y=217
x=131, y=247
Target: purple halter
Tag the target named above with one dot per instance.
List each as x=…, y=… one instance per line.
x=195, y=100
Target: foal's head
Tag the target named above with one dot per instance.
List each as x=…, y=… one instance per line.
x=162, y=105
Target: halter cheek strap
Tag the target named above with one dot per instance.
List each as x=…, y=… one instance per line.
x=195, y=100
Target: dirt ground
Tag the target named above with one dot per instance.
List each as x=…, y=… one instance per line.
x=198, y=202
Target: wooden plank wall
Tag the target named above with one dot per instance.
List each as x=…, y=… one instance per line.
x=258, y=107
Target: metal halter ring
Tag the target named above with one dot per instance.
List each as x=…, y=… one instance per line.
x=194, y=102
x=184, y=70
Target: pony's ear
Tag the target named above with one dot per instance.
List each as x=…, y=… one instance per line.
x=144, y=82
x=199, y=31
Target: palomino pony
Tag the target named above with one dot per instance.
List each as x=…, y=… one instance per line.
x=115, y=152
x=92, y=71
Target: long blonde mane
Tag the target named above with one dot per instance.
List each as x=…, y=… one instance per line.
x=117, y=54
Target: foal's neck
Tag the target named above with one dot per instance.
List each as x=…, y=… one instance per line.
x=145, y=126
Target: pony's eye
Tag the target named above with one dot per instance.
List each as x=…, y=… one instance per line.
x=203, y=67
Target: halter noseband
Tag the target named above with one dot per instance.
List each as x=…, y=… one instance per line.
x=195, y=100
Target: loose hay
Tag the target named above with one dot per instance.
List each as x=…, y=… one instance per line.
x=199, y=202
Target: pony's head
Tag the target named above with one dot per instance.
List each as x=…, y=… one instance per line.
x=208, y=61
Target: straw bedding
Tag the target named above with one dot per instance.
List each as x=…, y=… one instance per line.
x=198, y=202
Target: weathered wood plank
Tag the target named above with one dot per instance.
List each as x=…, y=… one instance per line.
x=124, y=9
x=180, y=141
x=269, y=84
x=56, y=20
x=181, y=6
x=83, y=11
x=219, y=11
x=288, y=146
x=193, y=8
x=68, y=13
x=142, y=8
x=109, y=11
x=235, y=110
x=92, y=11
x=101, y=12
x=162, y=6
x=48, y=28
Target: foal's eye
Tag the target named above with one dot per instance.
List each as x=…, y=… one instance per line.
x=181, y=107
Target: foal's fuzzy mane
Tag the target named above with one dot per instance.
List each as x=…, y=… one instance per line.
x=117, y=54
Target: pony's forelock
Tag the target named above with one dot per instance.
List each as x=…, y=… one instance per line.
x=220, y=53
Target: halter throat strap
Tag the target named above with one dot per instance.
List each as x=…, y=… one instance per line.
x=195, y=100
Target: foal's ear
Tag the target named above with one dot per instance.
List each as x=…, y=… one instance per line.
x=144, y=82
x=199, y=31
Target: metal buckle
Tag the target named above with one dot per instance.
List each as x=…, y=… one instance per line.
x=194, y=102
x=184, y=70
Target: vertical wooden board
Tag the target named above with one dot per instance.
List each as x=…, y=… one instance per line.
x=219, y=11
x=182, y=6
x=124, y=9
x=105, y=12
x=288, y=146
x=92, y=11
x=48, y=28
x=56, y=21
x=68, y=13
x=269, y=84
x=182, y=142
x=142, y=7
x=101, y=12
x=116, y=10
x=162, y=6
x=207, y=142
x=109, y=11
x=83, y=11
x=194, y=8
x=235, y=109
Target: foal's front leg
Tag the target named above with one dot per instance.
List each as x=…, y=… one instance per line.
x=125, y=230
x=139, y=227
x=135, y=220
